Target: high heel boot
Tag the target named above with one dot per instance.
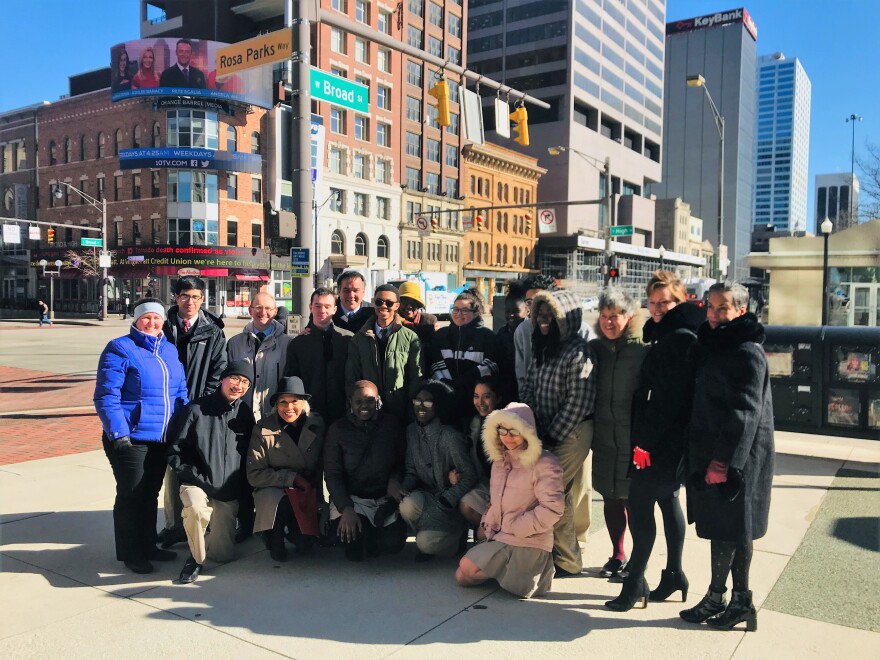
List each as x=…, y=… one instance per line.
x=635, y=590
x=712, y=603
x=670, y=582
x=740, y=609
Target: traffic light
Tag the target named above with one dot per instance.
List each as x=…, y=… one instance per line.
x=520, y=119
x=50, y=236
x=435, y=224
x=528, y=217
x=440, y=91
x=270, y=221
x=613, y=273
x=612, y=269
x=479, y=223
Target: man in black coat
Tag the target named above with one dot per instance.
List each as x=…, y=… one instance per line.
x=201, y=347
x=318, y=357
x=182, y=74
x=207, y=441
x=350, y=313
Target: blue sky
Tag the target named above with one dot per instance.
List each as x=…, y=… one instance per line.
x=45, y=41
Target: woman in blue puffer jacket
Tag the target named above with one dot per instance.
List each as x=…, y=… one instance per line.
x=140, y=385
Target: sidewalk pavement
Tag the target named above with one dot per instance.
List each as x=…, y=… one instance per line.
x=64, y=595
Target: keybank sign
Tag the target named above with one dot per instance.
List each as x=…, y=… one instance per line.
x=715, y=20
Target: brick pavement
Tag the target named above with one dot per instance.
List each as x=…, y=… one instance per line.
x=43, y=414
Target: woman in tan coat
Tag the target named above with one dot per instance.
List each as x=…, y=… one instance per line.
x=284, y=455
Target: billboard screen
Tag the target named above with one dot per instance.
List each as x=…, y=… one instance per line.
x=190, y=158
x=183, y=67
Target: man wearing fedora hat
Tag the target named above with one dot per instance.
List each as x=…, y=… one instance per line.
x=207, y=440
x=412, y=311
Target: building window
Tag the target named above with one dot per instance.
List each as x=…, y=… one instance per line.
x=362, y=51
x=136, y=137
x=417, y=7
x=383, y=60
x=99, y=146
x=256, y=235
x=384, y=21
x=454, y=24
x=383, y=208
x=435, y=14
x=453, y=54
x=361, y=207
x=450, y=187
x=232, y=232
x=157, y=135
x=256, y=190
x=68, y=150
x=255, y=142
x=383, y=134
x=231, y=139
x=452, y=129
x=117, y=188
x=339, y=5
x=100, y=187
x=179, y=231
x=337, y=243
x=452, y=155
x=361, y=166
x=413, y=109
x=82, y=147
x=362, y=11
x=435, y=46
x=382, y=247
x=337, y=41
x=413, y=144
x=413, y=178
x=413, y=210
x=337, y=200
x=383, y=97
x=337, y=121
x=360, y=246
x=433, y=150
x=231, y=185
x=337, y=160
x=383, y=170
x=188, y=186
x=432, y=182
x=414, y=36
x=361, y=128
x=154, y=184
x=192, y=128
x=414, y=73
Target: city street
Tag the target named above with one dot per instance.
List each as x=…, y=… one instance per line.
x=64, y=595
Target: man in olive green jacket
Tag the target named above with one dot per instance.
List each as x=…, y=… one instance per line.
x=387, y=353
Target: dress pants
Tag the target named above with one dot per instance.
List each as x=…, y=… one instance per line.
x=573, y=454
x=138, y=472
x=209, y=525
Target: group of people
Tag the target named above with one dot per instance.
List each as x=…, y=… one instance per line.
x=183, y=73
x=374, y=424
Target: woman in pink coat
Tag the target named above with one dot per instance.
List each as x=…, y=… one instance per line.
x=526, y=499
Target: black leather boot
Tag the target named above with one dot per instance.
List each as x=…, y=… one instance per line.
x=634, y=591
x=740, y=609
x=712, y=603
x=670, y=582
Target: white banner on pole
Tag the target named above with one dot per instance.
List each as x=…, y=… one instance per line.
x=502, y=118
x=11, y=234
x=472, y=116
x=34, y=232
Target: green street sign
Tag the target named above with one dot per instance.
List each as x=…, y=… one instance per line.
x=91, y=242
x=622, y=230
x=339, y=91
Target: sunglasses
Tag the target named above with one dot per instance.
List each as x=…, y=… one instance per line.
x=378, y=302
x=513, y=433
x=423, y=404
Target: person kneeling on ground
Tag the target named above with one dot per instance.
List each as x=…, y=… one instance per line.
x=363, y=457
x=433, y=450
x=283, y=466
x=207, y=443
x=527, y=500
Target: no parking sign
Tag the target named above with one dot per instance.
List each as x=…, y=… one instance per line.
x=546, y=221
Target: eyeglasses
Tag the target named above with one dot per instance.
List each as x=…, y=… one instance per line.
x=378, y=302
x=240, y=380
x=260, y=310
x=185, y=297
x=513, y=433
x=528, y=302
x=463, y=310
x=423, y=404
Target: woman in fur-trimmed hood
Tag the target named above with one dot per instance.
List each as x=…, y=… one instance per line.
x=526, y=501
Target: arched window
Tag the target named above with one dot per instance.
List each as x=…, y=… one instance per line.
x=486, y=252
x=255, y=142
x=117, y=143
x=486, y=188
x=382, y=248
x=99, y=145
x=506, y=225
x=473, y=184
x=136, y=136
x=157, y=136
x=337, y=243
x=500, y=189
x=471, y=252
x=504, y=255
x=498, y=221
x=68, y=150
x=231, y=139
x=506, y=191
x=360, y=245
x=479, y=254
x=479, y=186
x=498, y=254
x=82, y=147
x=53, y=153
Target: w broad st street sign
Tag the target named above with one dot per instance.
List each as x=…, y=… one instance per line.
x=339, y=91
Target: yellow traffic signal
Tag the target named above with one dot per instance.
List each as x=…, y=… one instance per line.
x=528, y=217
x=520, y=119
x=440, y=91
x=50, y=236
x=479, y=223
x=435, y=224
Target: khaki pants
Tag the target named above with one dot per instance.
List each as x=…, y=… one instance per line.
x=209, y=525
x=573, y=454
x=171, y=501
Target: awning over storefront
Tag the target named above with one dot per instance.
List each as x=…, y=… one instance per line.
x=129, y=272
x=251, y=278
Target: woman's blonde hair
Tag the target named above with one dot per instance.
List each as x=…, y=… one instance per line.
x=669, y=280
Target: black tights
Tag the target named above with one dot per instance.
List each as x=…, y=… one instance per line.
x=644, y=531
x=730, y=558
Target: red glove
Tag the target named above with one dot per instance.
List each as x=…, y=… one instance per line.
x=716, y=473
x=300, y=482
x=641, y=458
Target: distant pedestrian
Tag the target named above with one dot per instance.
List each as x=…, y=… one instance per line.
x=44, y=314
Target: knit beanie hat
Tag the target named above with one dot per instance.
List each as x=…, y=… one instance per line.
x=239, y=368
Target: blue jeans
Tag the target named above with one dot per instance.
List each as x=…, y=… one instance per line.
x=44, y=318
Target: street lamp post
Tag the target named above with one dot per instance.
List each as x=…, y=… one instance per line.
x=699, y=81
x=100, y=205
x=826, y=228
x=317, y=208
x=662, y=252
x=852, y=119
x=606, y=171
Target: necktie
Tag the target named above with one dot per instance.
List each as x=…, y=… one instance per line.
x=186, y=74
x=383, y=333
x=187, y=325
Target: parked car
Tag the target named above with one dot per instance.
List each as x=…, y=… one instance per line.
x=590, y=303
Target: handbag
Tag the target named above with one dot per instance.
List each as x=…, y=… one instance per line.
x=304, y=503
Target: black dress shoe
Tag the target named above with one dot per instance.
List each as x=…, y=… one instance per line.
x=158, y=554
x=141, y=566
x=562, y=573
x=190, y=572
x=169, y=537
x=612, y=567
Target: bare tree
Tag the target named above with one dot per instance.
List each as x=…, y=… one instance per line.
x=86, y=262
x=869, y=182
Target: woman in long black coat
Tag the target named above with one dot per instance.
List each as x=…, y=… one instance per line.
x=730, y=452
x=661, y=407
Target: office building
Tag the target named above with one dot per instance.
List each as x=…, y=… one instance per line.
x=599, y=65
x=783, y=145
x=720, y=47
x=835, y=195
